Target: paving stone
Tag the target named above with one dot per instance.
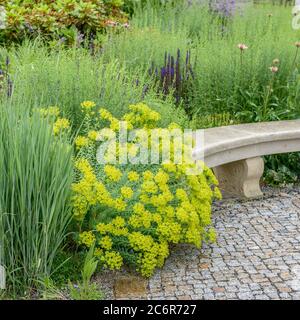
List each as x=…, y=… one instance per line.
x=231, y=296
x=187, y=297
x=208, y=296
x=245, y=295
x=262, y=297
x=255, y=257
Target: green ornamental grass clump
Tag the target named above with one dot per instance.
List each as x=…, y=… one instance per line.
x=36, y=173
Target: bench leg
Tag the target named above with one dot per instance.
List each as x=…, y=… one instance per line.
x=241, y=178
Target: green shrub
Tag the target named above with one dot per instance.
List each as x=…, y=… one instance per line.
x=282, y=170
x=132, y=213
x=35, y=179
x=58, y=19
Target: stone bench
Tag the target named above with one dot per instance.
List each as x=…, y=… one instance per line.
x=234, y=152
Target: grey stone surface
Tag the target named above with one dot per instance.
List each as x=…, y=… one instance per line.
x=241, y=178
x=223, y=145
x=257, y=255
x=234, y=152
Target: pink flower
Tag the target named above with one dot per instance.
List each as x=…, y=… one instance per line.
x=110, y=23
x=273, y=69
x=126, y=25
x=242, y=46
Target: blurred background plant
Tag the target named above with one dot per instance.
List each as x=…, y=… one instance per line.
x=63, y=20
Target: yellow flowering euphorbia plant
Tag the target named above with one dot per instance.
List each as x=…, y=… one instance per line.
x=132, y=213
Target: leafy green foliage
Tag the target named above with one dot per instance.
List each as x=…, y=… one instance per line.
x=58, y=19
x=282, y=170
x=67, y=267
x=86, y=290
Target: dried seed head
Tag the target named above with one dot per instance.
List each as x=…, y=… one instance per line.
x=242, y=46
x=273, y=69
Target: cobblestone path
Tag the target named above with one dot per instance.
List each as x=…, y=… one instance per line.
x=257, y=255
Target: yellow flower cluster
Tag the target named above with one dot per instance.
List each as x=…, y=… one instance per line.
x=105, y=114
x=116, y=227
x=81, y=141
x=112, y=173
x=60, y=124
x=88, y=191
x=138, y=214
x=87, y=106
x=92, y=135
x=112, y=260
x=114, y=122
x=133, y=176
x=84, y=195
x=50, y=111
x=106, y=243
x=127, y=192
x=141, y=116
x=150, y=253
x=87, y=238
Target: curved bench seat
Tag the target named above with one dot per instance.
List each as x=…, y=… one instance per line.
x=234, y=152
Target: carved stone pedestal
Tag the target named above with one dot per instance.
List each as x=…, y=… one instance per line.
x=241, y=178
